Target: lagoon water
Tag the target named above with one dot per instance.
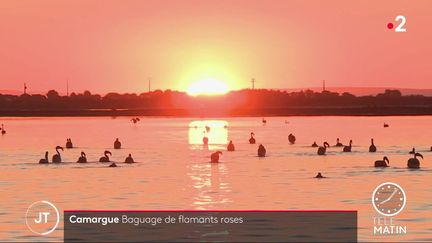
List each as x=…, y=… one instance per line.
x=173, y=169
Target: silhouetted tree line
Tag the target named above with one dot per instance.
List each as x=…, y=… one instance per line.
x=169, y=99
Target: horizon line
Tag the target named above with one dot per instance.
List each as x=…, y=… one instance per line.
x=313, y=88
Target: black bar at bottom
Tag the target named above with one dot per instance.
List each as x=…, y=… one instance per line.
x=210, y=226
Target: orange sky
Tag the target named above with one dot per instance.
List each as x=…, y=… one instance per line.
x=107, y=46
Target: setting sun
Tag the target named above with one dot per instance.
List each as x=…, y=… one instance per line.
x=208, y=86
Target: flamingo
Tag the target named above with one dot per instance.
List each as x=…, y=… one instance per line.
x=69, y=144
x=56, y=157
x=322, y=149
x=82, y=158
x=129, y=159
x=45, y=160
x=214, y=157
x=372, y=147
x=414, y=163
x=3, y=131
x=264, y=121
x=252, y=139
x=386, y=125
x=319, y=175
x=230, y=146
x=134, y=120
x=105, y=158
x=338, y=143
x=261, y=151
x=348, y=148
x=291, y=138
x=205, y=139
x=382, y=163
x=113, y=165
x=314, y=145
x=117, y=144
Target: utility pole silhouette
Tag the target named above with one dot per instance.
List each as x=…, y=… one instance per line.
x=67, y=87
x=253, y=83
x=149, y=85
x=324, y=88
x=25, y=88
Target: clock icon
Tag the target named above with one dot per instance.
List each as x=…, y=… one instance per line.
x=389, y=199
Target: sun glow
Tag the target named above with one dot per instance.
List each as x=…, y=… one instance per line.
x=209, y=86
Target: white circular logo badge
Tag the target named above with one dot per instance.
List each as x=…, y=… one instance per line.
x=42, y=217
x=388, y=199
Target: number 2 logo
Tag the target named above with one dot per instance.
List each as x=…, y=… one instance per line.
x=402, y=21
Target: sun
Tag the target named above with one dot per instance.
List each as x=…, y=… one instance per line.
x=208, y=86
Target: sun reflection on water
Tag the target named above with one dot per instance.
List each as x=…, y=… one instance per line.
x=211, y=188
x=215, y=130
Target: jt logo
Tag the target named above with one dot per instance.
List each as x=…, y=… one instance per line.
x=42, y=217
x=45, y=216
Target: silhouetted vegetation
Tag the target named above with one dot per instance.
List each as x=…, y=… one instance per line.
x=233, y=102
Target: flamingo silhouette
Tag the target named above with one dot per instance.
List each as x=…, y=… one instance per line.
x=214, y=157
x=372, y=147
x=230, y=146
x=252, y=139
x=205, y=139
x=348, y=148
x=322, y=149
x=56, y=157
x=45, y=160
x=382, y=163
x=69, y=144
x=117, y=144
x=129, y=159
x=82, y=158
x=3, y=131
x=261, y=151
x=414, y=163
x=105, y=158
x=291, y=138
x=338, y=143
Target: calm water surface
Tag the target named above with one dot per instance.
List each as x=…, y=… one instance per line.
x=173, y=169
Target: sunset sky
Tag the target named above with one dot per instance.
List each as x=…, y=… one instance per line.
x=105, y=46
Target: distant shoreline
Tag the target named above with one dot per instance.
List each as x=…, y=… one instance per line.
x=264, y=112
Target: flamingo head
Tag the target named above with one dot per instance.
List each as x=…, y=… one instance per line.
x=326, y=145
x=83, y=154
x=386, y=159
x=107, y=152
x=59, y=147
x=219, y=152
x=252, y=134
x=418, y=155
